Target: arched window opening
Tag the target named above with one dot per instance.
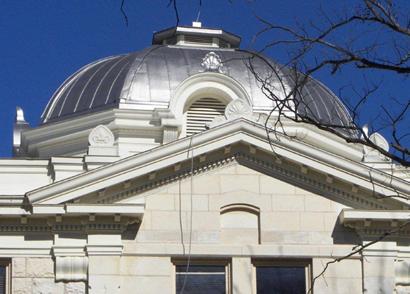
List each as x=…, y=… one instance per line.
x=201, y=113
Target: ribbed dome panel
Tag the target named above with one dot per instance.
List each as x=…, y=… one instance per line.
x=151, y=76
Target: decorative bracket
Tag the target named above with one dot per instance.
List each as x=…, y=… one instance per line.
x=71, y=268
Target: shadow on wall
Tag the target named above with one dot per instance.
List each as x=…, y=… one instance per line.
x=131, y=232
x=343, y=235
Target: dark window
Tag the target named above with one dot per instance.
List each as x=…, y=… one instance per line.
x=4, y=276
x=2, y=279
x=201, y=279
x=282, y=276
x=198, y=39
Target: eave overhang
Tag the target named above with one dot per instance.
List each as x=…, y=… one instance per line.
x=160, y=36
x=73, y=210
x=377, y=222
x=349, y=215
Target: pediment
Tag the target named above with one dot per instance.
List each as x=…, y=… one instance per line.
x=241, y=142
x=243, y=179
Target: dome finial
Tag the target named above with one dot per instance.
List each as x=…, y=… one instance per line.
x=197, y=24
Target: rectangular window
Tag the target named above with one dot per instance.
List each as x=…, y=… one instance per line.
x=202, y=277
x=284, y=277
x=4, y=276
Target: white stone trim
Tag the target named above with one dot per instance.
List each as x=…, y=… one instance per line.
x=207, y=84
x=377, y=223
x=249, y=250
x=68, y=250
x=233, y=132
x=128, y=209
x=70, y=136
x=104, y=249
x=281, y=171
x=348, y=215
x=7, y=211
x=107, y=209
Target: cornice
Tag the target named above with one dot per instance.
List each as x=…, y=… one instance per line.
x=70, y=217
x=86, y=224
x=376, y=222
x=76, y=130
x=163, y=178
x=231, y=133
x=66, y=227
x=282, y=169
x=25, y=166
x=87, y=122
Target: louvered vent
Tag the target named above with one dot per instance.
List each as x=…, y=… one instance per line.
x=223, y=44
x=198, y=40
x=202, y=112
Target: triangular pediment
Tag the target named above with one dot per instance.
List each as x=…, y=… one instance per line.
x=229, y=183
x=240, y=141
x=241, y=179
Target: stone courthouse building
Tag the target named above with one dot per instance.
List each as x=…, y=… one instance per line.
x=152, y=172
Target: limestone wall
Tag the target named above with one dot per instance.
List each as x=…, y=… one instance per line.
x=130, y=274
x=287, y=214
x=237, y=214
x=292, y=223
x=35, y=275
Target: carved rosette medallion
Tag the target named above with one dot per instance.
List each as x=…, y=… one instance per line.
x=212, y=62
x=238, y=108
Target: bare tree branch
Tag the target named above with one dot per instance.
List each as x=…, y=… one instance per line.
x=176, y=11
x=356, y=250
x=319, y=44
x=123, y=12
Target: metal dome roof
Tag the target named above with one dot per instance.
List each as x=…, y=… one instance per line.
x=151, y=76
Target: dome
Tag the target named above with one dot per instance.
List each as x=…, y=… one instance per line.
x=148, y=79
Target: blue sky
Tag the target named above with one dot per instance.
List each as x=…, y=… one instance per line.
x=43, y=42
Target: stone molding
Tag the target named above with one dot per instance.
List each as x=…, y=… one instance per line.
x=377, y=223
x=104, y=249
x=66, y=227
x=63, y=167
x=242, y=250
x=73, y=209
x=70, y=217
x=232, y=132
x=203, y=84
x=280, y=170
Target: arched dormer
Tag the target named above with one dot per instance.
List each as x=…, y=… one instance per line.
x=201, y=97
